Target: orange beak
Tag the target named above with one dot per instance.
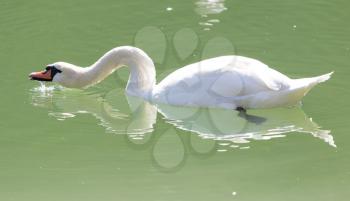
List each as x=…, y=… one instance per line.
x=41, y=76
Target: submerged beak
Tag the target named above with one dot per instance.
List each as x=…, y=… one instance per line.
x=41, y=76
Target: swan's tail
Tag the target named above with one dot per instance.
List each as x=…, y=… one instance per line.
x=323, y=78
x=308, y=83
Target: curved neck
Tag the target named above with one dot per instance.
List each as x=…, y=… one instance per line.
x=142, y=72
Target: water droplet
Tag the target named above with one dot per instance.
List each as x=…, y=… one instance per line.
x=234, y=146
x=61, y=115
x=214, y=20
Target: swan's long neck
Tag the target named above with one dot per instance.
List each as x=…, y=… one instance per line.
x=142, y=72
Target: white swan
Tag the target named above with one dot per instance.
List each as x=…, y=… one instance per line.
x=232, y=82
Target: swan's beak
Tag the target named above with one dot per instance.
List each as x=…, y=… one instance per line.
x=41, y=76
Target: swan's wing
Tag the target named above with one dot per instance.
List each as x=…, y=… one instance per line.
x=226, y=84
x=273, y=80
x=217, y=81
x=257, y=75
x=269, y=81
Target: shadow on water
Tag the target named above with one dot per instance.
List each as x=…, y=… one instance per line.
x=213, y=130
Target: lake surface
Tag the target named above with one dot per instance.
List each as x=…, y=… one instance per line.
x=99, y=144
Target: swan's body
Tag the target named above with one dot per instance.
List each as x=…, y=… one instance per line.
x=226, y=81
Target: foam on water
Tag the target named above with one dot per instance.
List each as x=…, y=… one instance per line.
x=43, y=94
x=46, y=90
x=43, y=88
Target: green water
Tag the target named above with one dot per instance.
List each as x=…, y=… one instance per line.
x=98, y=144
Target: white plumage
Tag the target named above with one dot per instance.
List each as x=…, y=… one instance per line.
x=226, y=81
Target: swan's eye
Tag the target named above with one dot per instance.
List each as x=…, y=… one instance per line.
x=53, y=69
x=56, y=70
x=49, y=67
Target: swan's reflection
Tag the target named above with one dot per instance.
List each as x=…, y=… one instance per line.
x=240, y=127
x=215, y=129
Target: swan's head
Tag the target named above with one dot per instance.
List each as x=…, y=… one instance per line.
x=63, y=73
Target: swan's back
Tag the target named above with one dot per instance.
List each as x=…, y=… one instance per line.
x=218, y=81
